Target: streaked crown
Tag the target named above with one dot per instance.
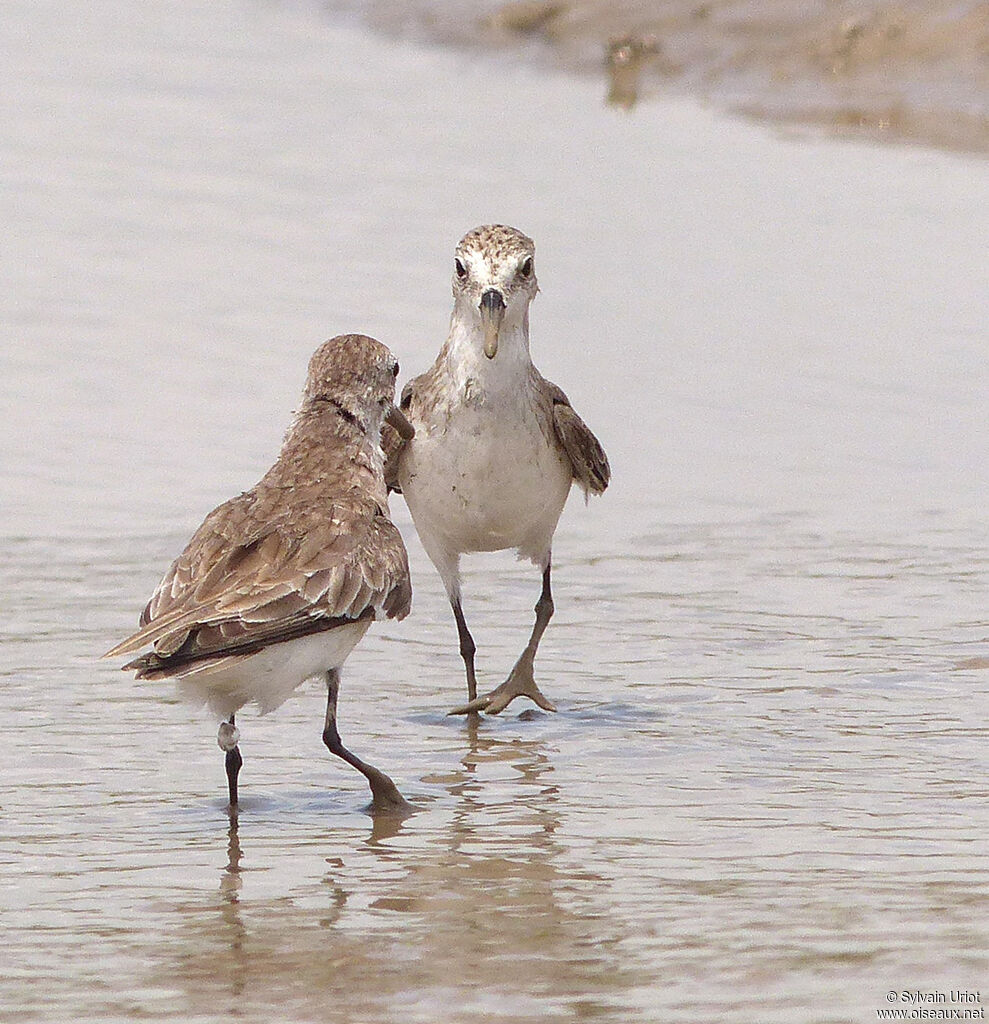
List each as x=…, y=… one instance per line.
x=354, y=370
x=495, y=255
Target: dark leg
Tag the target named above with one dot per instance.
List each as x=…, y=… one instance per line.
x=544, y=612
x=467, y=649
x=521, y=681
x=234, y=763
x=384, y=793
x=228, y=738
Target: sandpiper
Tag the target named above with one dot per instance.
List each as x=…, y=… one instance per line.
x=280, y=583
x=496, y=447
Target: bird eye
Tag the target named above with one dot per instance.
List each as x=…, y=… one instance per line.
x=460, y=268
x=526, y=269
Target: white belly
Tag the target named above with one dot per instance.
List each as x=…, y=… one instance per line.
x=485, y=480
x=269, y=677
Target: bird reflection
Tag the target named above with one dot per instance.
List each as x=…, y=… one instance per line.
x=232, y=927
x=385, y=826
x=231, y=881
x=480, y=892
x=493, y=864
x=490, y=902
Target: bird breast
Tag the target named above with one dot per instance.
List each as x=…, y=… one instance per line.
x=484, y=476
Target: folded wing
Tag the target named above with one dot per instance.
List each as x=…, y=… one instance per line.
x=587, y=458
x=251, y=577
x=392, y=443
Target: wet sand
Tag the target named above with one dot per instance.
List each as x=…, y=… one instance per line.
x=915, y=71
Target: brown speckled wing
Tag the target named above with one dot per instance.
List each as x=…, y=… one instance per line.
x=251, y=577
x=582, y=448
x=392, y=443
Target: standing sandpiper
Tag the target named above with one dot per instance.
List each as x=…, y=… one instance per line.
x=497, y=446
x=280, y=583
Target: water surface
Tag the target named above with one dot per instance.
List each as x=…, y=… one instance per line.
x=764, y=795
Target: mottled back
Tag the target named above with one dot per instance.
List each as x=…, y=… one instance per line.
x=310, y=546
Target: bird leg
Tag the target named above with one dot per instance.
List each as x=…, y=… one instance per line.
x=521, y=681
x=227, y=739
x=467, y=650
x=384, y=793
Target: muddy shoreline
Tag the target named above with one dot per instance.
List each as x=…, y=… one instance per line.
x=908, y=72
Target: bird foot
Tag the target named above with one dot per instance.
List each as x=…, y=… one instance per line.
x=385, y=797
x=520, y=683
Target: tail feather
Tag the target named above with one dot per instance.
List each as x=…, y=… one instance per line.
x=154, y=631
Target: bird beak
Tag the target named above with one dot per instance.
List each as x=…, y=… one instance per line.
x=397, y=419
x=492, y=313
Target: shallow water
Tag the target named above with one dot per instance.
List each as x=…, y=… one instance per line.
x=764, y=795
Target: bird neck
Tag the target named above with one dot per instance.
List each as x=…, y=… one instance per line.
x=464, y=358
x=333, y=442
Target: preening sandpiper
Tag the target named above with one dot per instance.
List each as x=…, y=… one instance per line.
x=496, y=446
x=280, y=583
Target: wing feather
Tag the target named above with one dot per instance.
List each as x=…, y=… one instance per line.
x=392, y=443
x=587, y=458
x=238, y=587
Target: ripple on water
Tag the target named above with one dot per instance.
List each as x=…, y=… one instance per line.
x=763, y=797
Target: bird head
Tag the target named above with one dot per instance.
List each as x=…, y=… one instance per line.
x=357, y=374
x=494, y=280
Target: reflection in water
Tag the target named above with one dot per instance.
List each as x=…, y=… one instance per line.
x=764, y=795
x=232, y=927
x=231, y=882
x=460, y=904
